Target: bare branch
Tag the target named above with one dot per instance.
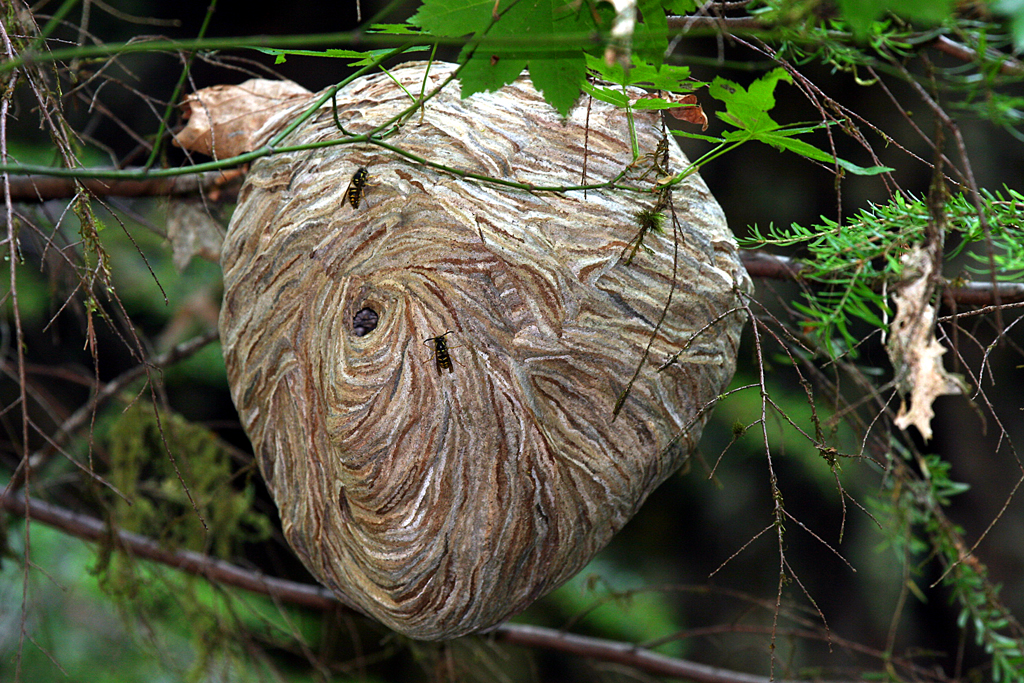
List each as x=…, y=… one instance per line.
x=971, y=294
x=91, y=529
x=319, y=598
x=29, y=189
x=1008, y=66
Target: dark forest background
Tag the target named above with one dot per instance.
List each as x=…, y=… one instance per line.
x=81, y=613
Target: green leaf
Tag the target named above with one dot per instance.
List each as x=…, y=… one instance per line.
x=609, y=95
x=652, y=36
x=748, y=109
x=781, y=139
x=486, y=73
x=559, y=79
x=668, y=77
x=453, y=17
x=680, y=6
x=864, y=170
x=859, y=14
x=657, y=103
x=557, y=73
x=490, y=68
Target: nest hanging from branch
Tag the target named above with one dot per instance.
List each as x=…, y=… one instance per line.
x=441, y=500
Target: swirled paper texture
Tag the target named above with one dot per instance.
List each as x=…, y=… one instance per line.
x=441, y=503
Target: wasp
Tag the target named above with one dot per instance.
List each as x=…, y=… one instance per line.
x=355, y=188
x=441, y=356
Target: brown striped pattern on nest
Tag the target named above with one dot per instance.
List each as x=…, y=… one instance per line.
x=439, y=503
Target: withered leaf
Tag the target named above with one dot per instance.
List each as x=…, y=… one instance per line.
x=915, y=354
x=192, y=232
x=693, y=113
x=228, y=120
x=687, y=107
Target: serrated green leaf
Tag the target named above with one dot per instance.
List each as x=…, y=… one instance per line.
x=559, y=76
x=484, y=74
x=559, y=79
x=491, y=68
x=453, y=17
x=557, y=73
x=762, y=91
x=781, y=140
x=747, y=108
x=613, y=73
x=652, y=41
x=670, y=77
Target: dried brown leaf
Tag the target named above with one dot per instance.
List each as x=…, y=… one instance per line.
x=915, y=353
x=687, y=109
x=692, y=113
x=228, y=120
x=193, y=232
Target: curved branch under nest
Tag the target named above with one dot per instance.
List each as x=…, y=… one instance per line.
x=442, y=500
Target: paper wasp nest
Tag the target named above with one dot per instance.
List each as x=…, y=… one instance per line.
x=443, y=502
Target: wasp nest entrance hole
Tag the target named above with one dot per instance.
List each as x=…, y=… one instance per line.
x=364, y=322
x=442, y=503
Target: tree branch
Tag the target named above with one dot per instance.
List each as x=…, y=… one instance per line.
x=970, y=294
x=91, y=529
x=31, y=189
x=1008, y=66
x=319, y=598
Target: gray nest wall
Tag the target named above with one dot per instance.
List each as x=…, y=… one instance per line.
x=443, y=502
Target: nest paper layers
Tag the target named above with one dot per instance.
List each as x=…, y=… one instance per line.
x=441, y=501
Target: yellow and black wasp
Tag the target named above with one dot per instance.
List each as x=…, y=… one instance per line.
x=441, y=356
x=355, y=188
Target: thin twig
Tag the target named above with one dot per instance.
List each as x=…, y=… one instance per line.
x=111, y=388
x=19, y=337
x=1008, y=66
